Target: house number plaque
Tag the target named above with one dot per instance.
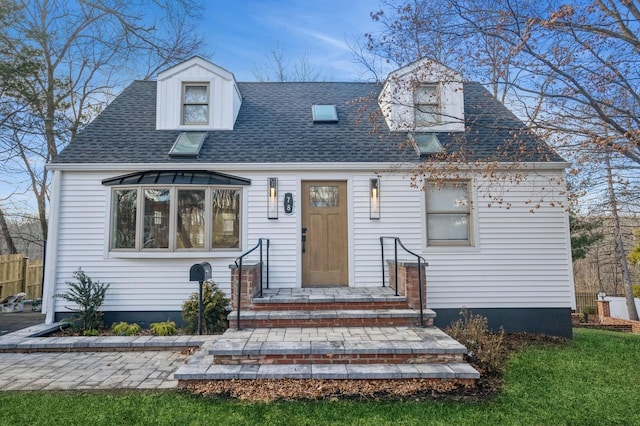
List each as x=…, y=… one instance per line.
x=288, y=203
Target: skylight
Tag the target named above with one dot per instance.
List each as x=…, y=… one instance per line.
x=188, y=144
x=324, y=113
x=427, y=143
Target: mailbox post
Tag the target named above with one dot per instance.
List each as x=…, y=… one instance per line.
x=200, y=272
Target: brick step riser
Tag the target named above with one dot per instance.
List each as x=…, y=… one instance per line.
x=338, y=359
x=324, y=306
x=331, y=322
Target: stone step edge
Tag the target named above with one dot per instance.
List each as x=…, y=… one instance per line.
x=243, y=348
x=329, y=299
x=450, y=371
x=91, y=343
x=329, y=314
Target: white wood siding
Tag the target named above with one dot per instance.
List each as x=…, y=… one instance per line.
x=224, y=97
x=520, y=259
x=397, y=97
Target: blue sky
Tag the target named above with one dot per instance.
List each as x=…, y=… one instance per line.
x=241, y=33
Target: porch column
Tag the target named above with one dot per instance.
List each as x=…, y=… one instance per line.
x=409, y=282
x=604, y=310
x=250, y=285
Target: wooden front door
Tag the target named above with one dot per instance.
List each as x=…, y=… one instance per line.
x=325, y=256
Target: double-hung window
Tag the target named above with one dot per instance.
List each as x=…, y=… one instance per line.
x=195, y=103
x=448, y=210
x=174, y=218
x=427, y=105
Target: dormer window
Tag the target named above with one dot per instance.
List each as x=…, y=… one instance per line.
x=427, y=105
x=195, y=104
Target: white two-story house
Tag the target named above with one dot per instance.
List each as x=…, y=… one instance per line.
x=197, y=167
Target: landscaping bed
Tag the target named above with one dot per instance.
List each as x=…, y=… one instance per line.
x=487, y=386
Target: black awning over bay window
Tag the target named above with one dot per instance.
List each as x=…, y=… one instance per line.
x=176, y=177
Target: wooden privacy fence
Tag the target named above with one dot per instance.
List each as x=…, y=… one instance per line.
x=20, y=274
x=586, y=300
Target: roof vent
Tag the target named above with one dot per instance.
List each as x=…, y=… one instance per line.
x=324, y=113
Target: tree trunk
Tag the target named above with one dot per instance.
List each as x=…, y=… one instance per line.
x=6, y=235
x=620, y=252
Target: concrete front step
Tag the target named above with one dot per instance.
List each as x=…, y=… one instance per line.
x=329, y=299
x=337, y=345
x=458, y=372
x=323, y=341
x=330, y=318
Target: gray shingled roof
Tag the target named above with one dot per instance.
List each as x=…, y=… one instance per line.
x=274, y=125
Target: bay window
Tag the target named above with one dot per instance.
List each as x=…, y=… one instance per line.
x=156, y=218
x=225, y=204
x=191, y=219
x=175, y=218
x=123, y=218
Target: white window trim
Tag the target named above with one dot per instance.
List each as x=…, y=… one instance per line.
x=173, y=249
x=437, y=104
x=183, y=102
x=473, y=244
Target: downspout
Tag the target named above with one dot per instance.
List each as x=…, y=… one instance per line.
x=51, y=263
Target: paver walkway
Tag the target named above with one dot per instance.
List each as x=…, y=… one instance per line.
x=89, y=370
x=90, y=365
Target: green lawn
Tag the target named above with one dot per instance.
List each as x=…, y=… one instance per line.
x=594, y=381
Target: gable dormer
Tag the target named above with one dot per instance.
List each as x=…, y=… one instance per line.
x=197, y=95
x=424, y=96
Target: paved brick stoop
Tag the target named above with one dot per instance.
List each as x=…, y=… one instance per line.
x=345, y=333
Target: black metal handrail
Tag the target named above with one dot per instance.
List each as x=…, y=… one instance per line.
x=421, y=260
x=238, y=263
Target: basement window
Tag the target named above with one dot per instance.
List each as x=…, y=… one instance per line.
x=324, y=113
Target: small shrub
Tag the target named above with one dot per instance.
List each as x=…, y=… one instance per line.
x=91, y=332
x=215, y=308
x=125, y=329
x=166, y=328
x=484, y=348
x=88, y=295
x=636, y=290
x=586, y=311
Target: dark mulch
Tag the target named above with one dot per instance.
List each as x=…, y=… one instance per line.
x=68, y=332
x=486, y=387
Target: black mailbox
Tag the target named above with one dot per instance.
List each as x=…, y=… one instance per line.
x=200, y=272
